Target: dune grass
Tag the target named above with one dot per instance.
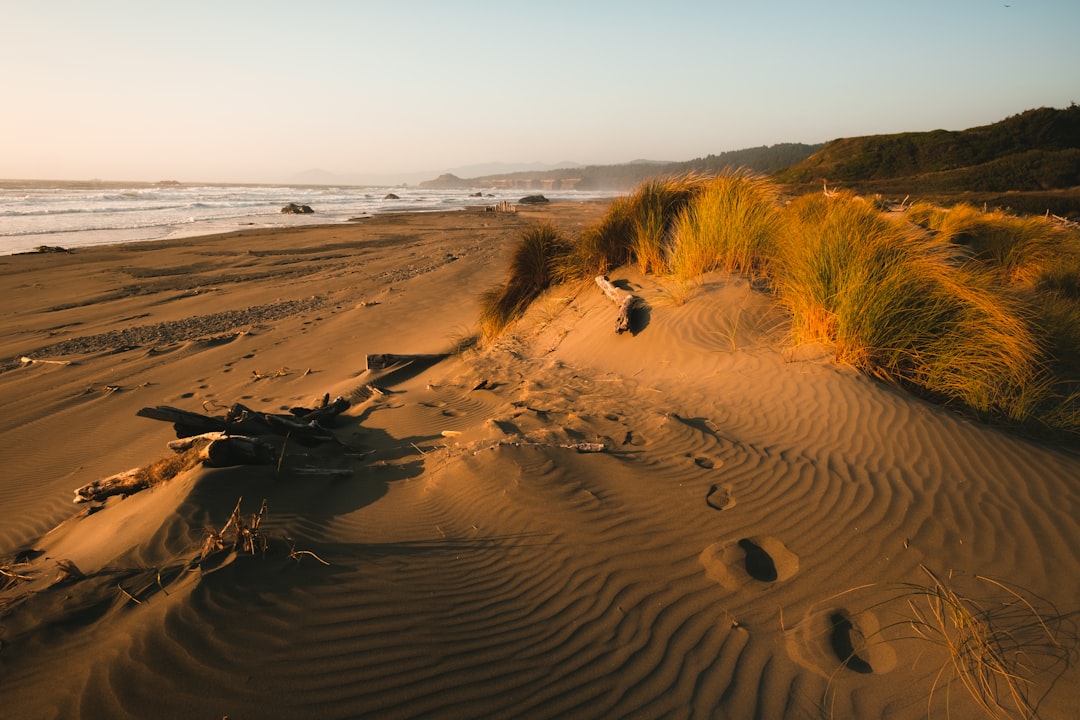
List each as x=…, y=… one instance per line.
x=730, y=225
x=976, y=308
x=1018, y=248
x=601, y=247
x=994, y=648
x=654, y=208
x=906, y=307
x=533, y=267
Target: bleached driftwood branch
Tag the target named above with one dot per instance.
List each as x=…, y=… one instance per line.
x=625, y=301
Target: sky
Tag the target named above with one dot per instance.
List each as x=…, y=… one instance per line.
x=260, y=91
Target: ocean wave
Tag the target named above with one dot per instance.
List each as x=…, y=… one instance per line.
x=88, y=216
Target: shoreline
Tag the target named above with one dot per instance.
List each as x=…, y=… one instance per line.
x=79, y=216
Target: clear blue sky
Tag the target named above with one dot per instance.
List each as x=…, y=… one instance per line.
x=256, y=91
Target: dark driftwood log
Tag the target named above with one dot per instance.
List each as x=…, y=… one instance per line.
x=304, y=433
x=186, y=423
x=324, y=414
x=240, y=450
x=242, y=420
x=381, y=361
x=626, y=302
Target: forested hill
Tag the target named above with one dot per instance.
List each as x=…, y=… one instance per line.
x=764, y=159
x=1036, y=150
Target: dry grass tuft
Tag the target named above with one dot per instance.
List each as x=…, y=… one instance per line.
x=166, y=468
x=996, y=649
x=601, y=247
x=246, y=536
x=654, y=207
x=1019, y=249
x=533, y=268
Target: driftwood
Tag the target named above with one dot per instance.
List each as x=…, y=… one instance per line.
x=239, y=450
x=327, y=412
x=186, y=443
x=217, y=450
x=186, y=423
x=381, y=361
x=125, y=483
x=625, y=301
x=304, y=425
x=221, y=450
x=242, y=437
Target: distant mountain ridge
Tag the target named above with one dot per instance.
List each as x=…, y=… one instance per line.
x=1036, y=150
x=764, y=159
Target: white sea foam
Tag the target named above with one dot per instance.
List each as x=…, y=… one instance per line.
x=35, y=213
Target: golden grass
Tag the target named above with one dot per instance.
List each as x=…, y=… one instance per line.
x=601, y=247
x=654, y=208
x=1018, y=248
x=533, y=267
x=996, y=649
x=166, y=468
x=905, y=307
x=970, y=307
x=730, y=225
x=636, y=229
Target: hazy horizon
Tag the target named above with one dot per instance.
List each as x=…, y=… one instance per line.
x=265, y=92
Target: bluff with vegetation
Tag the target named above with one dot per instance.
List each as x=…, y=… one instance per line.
x=763, y=159
x=1034, y=156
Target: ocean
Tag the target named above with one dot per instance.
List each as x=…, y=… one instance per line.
x=77, y=214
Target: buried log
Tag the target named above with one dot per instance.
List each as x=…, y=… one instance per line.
x=125, y=483
x=211, y=449
x=381, y=361
x=626, y=302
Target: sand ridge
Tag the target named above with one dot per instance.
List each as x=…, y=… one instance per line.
x=751, y=516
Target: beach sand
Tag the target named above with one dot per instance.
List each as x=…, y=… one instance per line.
x=757, y=511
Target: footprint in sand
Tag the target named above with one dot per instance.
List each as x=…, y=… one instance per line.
x=759, y=564
x=760, y=558
x=720, y=497
x=828, y=637
x=842, y=639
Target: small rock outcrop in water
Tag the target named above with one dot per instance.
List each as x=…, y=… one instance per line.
x=533, y=200
x=294, y=209
x=391, y=196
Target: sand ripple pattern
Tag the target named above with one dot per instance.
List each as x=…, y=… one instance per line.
x=746, y=505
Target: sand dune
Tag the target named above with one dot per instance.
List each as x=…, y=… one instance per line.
x=755, y=513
